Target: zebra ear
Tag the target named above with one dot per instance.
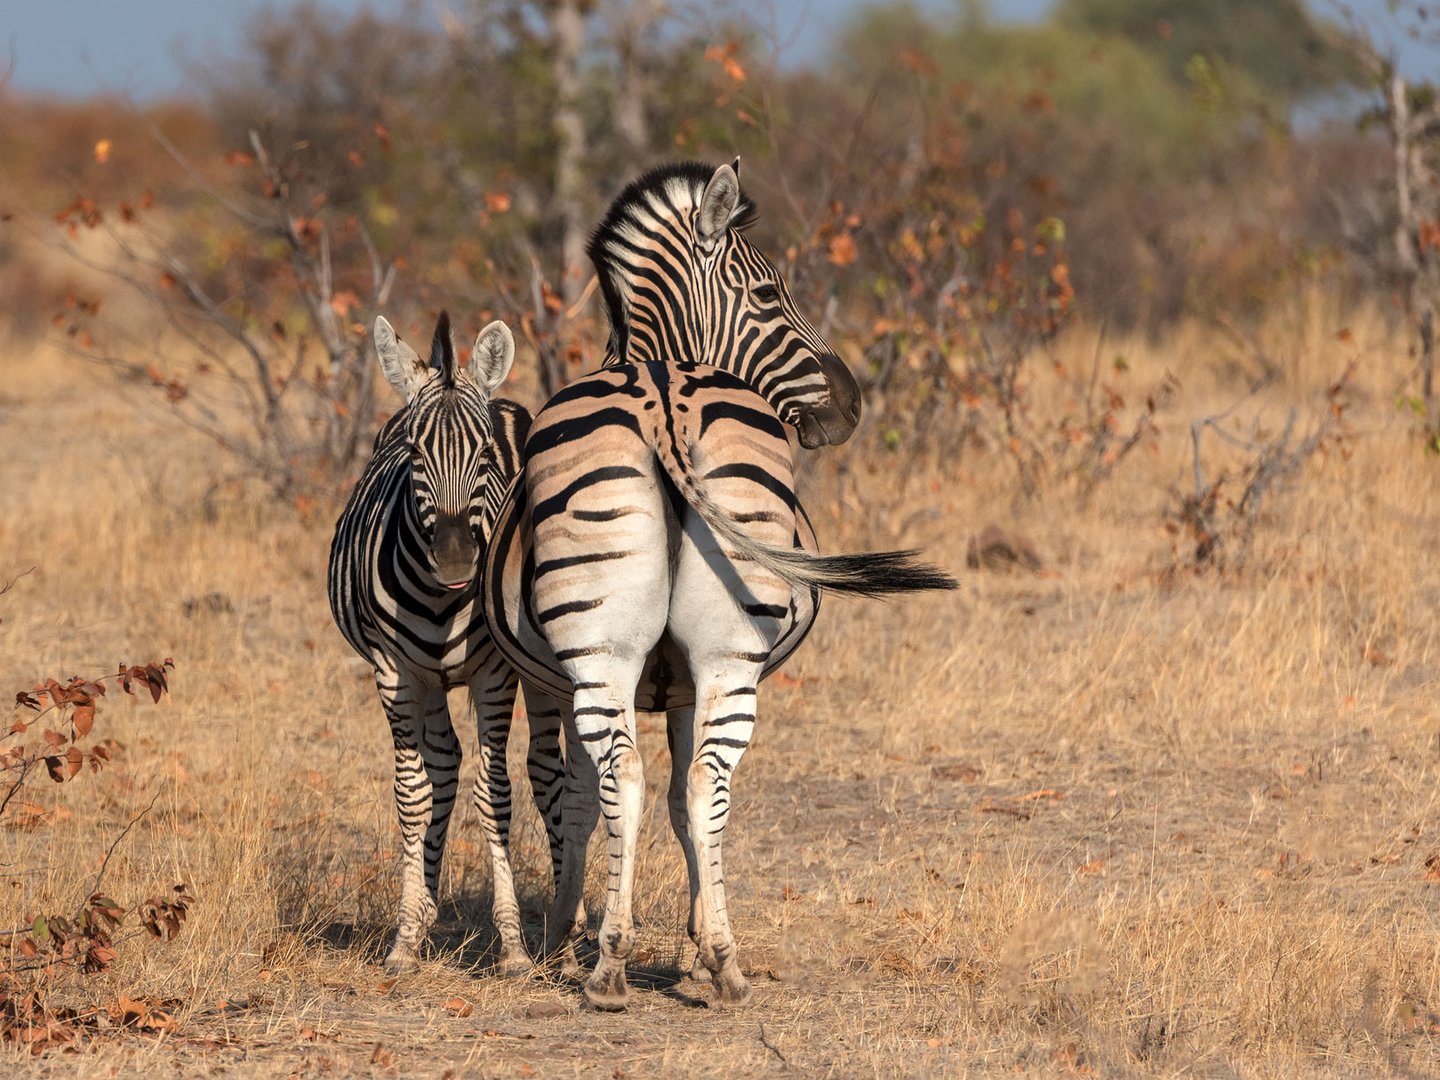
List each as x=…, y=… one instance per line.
x=718, y=203
x=402, y=366
x=442, y=350
x=494, y=353
x=736, y=166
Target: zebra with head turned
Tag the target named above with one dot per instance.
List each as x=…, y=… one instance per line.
x=682, y=281
x=402, y=584
x=653, y=554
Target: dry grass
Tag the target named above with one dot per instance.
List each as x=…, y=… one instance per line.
x=1102, y=817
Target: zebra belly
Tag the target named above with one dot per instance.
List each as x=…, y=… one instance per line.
x=445, y=647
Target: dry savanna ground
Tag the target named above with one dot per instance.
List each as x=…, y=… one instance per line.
x=1097, y=816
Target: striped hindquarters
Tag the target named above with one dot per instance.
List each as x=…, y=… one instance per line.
x=595, y=506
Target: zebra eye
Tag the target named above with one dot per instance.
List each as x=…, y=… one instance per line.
x=767, y=294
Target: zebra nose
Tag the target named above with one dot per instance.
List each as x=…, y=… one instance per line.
x=834, y=421
x=455, y=551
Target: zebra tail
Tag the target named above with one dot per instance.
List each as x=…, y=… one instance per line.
x=871, y=574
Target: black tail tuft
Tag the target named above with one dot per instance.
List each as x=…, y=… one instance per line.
x=880, y=573
x=877, y=573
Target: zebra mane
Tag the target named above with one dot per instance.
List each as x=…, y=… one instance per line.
x=442, y=350
x=676, y=185
x=682, y=181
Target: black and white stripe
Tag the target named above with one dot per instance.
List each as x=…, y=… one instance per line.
x=403, y=590
x=653, y=554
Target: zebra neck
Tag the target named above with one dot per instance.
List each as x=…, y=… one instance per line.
x=412, y=550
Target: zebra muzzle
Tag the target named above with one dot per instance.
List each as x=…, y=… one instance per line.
x=455, y=553
x=834, y=421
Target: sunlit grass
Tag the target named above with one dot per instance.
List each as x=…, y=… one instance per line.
x=1103, y=816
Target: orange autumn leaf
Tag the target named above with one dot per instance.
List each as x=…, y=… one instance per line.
x=344, y=302
x=724, y=55
x=842, y=249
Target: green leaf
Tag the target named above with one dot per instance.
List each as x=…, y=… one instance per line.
x=1051, y=229
x=1413, y=402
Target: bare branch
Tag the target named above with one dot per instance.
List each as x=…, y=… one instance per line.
x=105, y=862
x=11, y=583
x=231, y=207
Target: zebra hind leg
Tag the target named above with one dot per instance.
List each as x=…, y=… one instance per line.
x=569, y=806
x=605, y=724
x=680, y=734
x=493, y=696
x=545, y=766
x=724, y=724
x=427, y=767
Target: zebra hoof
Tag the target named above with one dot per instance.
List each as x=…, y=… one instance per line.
x=514, y=965
x=400, y=960
x=732, y=988
x=604, y=992
x=562, y=961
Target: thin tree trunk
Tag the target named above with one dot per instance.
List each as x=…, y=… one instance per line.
x=1414, y=260
x=633, y=25
x=568, y=36
x=1405, y=252
x=1427, y=365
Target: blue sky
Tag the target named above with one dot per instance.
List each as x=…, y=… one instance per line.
x=148, y=48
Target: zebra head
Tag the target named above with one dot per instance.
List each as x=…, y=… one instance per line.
x=683, y=282
x=448, y=433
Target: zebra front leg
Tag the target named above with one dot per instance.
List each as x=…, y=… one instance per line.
x=680, y=735
x=492, y=694
x=605, y=724
x=724, y=722
x=427, y=768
